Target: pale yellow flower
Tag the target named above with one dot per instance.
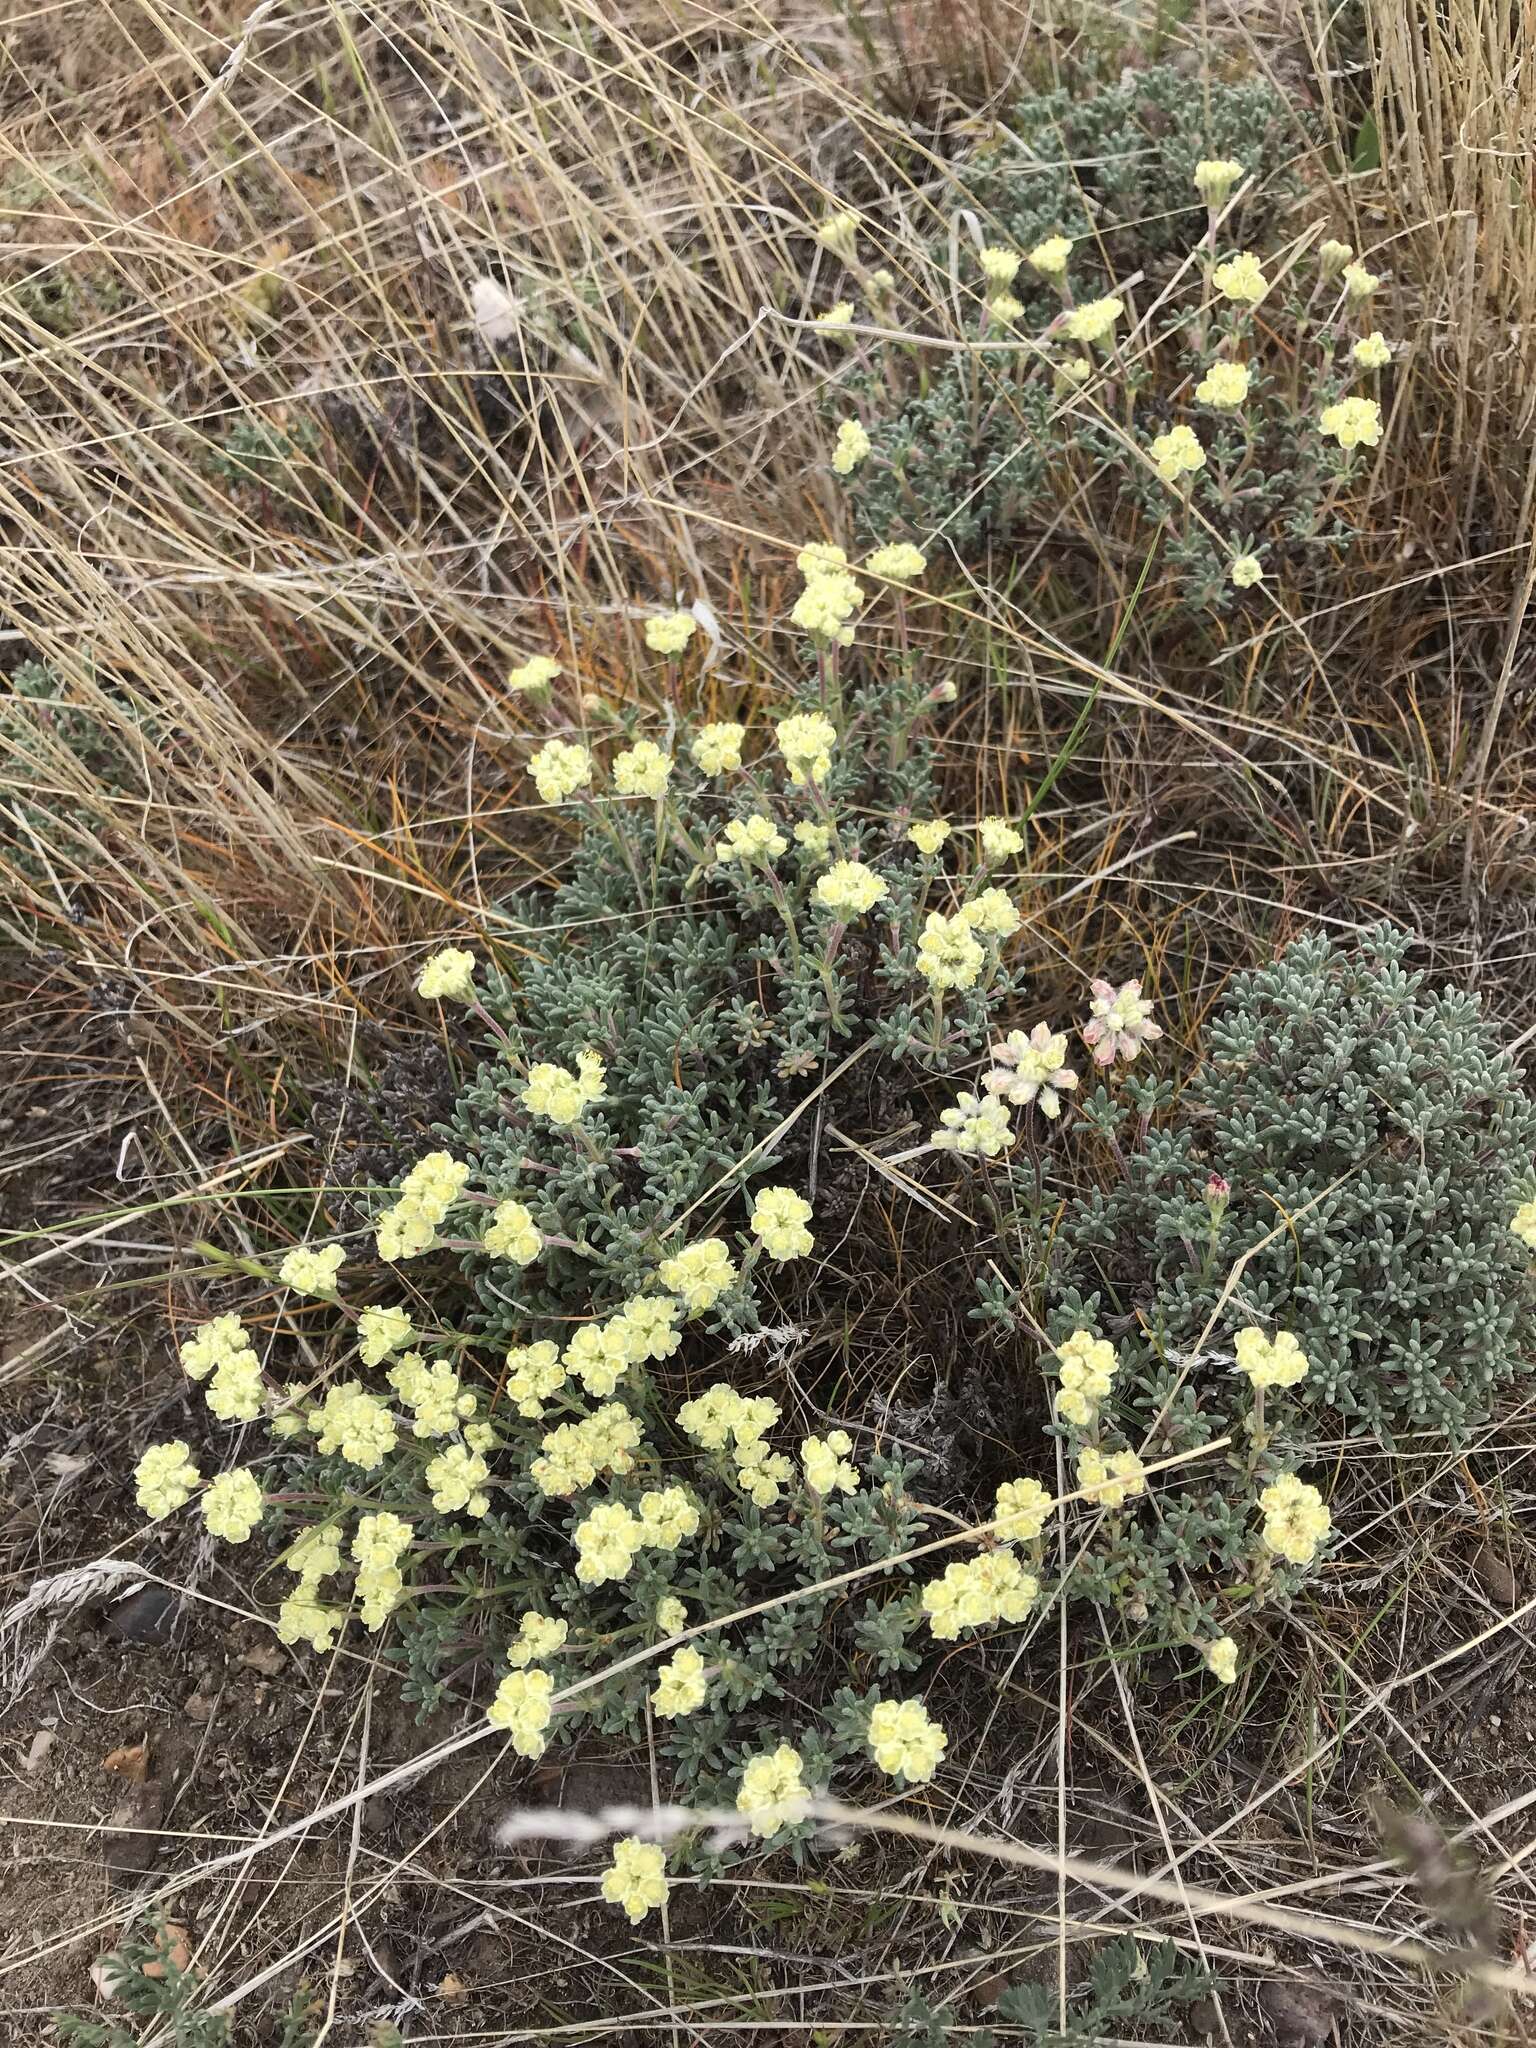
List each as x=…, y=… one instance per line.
x=853, y=444
x=1094, y=322
x=1241, y=279
x=1177, y=453
x=1352, y=422
x=1224, y=385
x=1050, y=259
x=1215, y=177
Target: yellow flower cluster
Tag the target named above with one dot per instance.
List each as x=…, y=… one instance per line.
x=1295, y=1519
x=457, y=1478
x=637, y=1877
x=779, y=1218
x=852, y=446
x=1088, y=1365
x=773, y=1790
x=992, y=911
x=828, y=1462
x=974, y=1125
x=1031, y=1067
x=1241, y=279
x=1023, y=1509
x=1269, y=1362
x=1522, y=1224
x=1352, y=422
x=1360, y=283
x=409, y=1227
x=1050, y=259
x=977, y=1592
x=609, y=1538
x=816, y=839
x=232, y=1505
x=948, y=953
x=312, y=1272
x=1372, y=351
x=652, y=1321
x=1110, y=1482
x=1095, y=321
x=904, y=1742
x=717, y=748
x=537, y=1636
x=1224, y=385
x=380, y=1331
x=1332, y=255
x=573, y=1455
x=999, y=267
x=556, y=1093
x=682, y=1684
x=721, y=1419
x=536, y=673
x=381, y=1540
x=523, y=1707
x=1221, y=1659
x=700, y=1273
x=839, y=234
x=600, y=1354
x=671, y=1615
x=433, y=1393
x=353, y=1423
x=897, y=562
x=559, y=769
x=849, y=888
x=1177, y=453
x=751, y=839
x=643, y=769
x=806, y=740
x=1214, y=178
x=222, y=1347
x=512, y=1234
x=836, y=317
x=164, y=1478
x=304, y=1617
x=534, y=1373
x=670, y=632
x=999, y=840
x=448, y=976
x=1246, y=571
x=823, y=608
x=928, y=834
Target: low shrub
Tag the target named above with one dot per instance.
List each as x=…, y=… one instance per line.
x=1158, y=372
x=558, y=1464
x=1344, y=1169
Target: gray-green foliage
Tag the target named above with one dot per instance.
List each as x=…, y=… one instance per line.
x=979, y=445
x=1376, y=1141
x=1376, y=1138
x=1148, y=1986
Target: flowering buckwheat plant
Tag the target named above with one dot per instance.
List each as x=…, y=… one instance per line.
x=1384, y=1128
x=548, y=1462
x=1168, y=375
